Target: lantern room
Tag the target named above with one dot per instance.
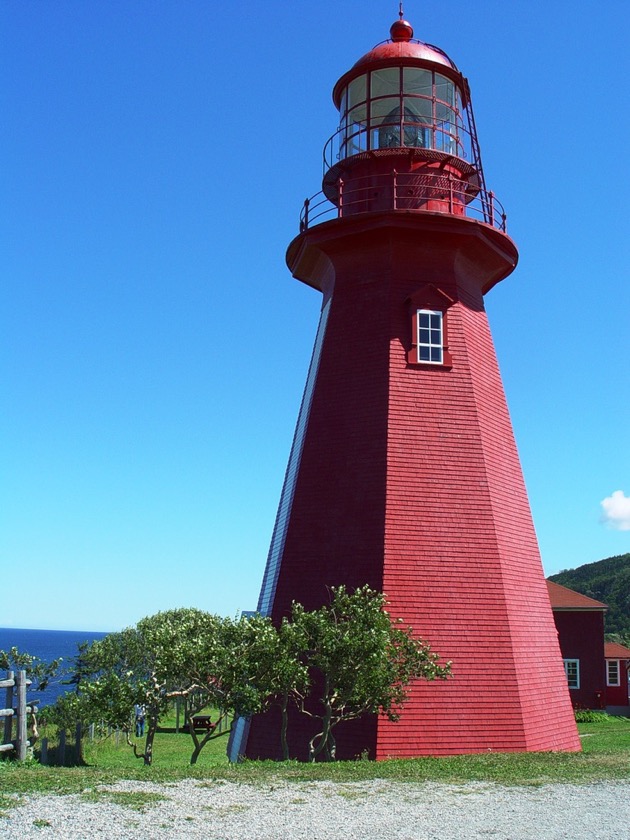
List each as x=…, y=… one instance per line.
x=405, y=105
x=406, y=138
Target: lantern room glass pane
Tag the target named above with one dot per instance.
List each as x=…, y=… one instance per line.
x=385, y=82
x=387, y=109
x=385, y=122
x=418, y=82
x=343, y=103
x=446, y=133
x=417, y=122
x=358, y=115
x=444, y=114
x=444, y=89
x=356, y=131
x=357, y=91
x=418, y=109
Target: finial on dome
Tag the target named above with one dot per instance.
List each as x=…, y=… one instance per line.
x=401, y=30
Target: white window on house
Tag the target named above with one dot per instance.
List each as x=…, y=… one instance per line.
x=430, y=336
x=572, y=670
x=613, y=672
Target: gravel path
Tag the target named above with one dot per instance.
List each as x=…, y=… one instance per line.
x=318, y=810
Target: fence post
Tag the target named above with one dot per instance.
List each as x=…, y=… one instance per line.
x=450, y=193
x=306, y=206
x=491, y=197
x=340, y=205
x=61, y=758
x=8, y=721
x=78, y=751
x=395, y=188
x=22, y=741
x=43, y=755
x=177, y=701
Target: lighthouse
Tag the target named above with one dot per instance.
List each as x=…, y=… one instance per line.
x=404, y=473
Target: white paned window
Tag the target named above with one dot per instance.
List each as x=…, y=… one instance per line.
x=613, y=672
x=572, y=670
x=430, y=337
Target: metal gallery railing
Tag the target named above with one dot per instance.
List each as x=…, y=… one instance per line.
x=435, y=192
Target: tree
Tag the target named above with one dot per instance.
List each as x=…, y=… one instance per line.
x=172, y=654
x=237, y=667
x=40, y=672
x=291, y=678
x=186, y=650
x=112, y=675
x=350, y=649
x=361, y=661
x=265, y=668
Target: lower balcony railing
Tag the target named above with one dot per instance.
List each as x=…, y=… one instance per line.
x=437, y=192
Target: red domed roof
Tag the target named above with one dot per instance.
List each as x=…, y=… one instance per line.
x=402, y=46
x=405, y=49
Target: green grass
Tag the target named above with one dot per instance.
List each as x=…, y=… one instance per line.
x=605, y=757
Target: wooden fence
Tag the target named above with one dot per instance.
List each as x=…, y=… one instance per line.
x=15, y=710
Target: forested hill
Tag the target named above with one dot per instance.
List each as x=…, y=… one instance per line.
x=607, y=581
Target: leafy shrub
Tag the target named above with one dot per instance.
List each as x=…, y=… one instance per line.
x=593, y=716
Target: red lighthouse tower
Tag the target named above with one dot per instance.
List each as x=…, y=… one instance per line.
x=404, y=473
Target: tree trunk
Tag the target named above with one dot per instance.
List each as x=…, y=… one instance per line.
x=332, y=745
x=209, y=736
x=324, y=736
x=283, y=728
x=148, y=745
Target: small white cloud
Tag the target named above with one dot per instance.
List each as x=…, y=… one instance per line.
x=616, y=511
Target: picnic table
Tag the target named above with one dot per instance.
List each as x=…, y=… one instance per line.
x=203, y=722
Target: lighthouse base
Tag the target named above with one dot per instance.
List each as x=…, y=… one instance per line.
x=407, y=478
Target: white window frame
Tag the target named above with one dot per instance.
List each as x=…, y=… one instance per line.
x=572, y=671
x=613, y=675
x=431, y=344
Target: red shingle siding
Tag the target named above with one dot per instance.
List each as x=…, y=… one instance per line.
x=410, y=481
x=462, y=562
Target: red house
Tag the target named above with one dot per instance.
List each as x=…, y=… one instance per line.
x=617, y=678
x=597, y=671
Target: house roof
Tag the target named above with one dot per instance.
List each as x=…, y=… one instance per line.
x=566, y=599
x=614, y=651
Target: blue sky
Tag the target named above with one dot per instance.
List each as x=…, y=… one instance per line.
x=155, y=156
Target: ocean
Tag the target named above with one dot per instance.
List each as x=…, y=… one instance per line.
x=47, y=645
